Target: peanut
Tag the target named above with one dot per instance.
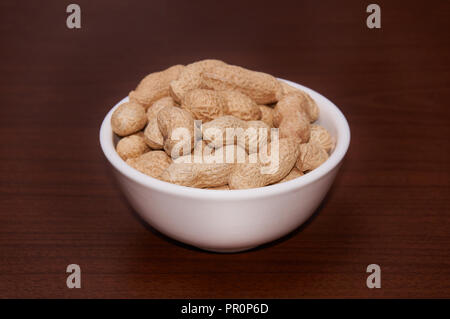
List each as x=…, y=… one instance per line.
x=241, y=106
x=252, y=175
x=152, y=134
x=190, y=78
x=202, y=171
x=176, y=124
x=205, y=105
x=153, y=110
x=308, y=104
x=321, y=137
x=293, y=174
x=266, y=114
x=155, y=86
x=151, y=163
x=128, y=118
x=202, y=149
x=260, y=87
x=228, y=130
x=131, y=146
x=311, y=156
x=290, y=118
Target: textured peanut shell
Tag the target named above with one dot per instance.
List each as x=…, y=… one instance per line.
x=260, y=87
x=155, y=86
x=255, y=138
x=152, y=135
x=221, y=124
x=153, y=110
x=266, y=114
x=296, y=126
x=203, y=171
x=321, y=137
x=128, y=118
x=132, y=146
x=152, y=163
x=249, y=175
x=198, y=175
x=205, y=105
x=241, y=106
x=190, y=78
x=307, y=102
x=290, y=118
x=169, y=119
x=235, y=128
x=202, y=148
x=311, y=156
x=293, y=174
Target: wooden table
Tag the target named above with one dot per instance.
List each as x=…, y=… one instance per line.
x=389, y=206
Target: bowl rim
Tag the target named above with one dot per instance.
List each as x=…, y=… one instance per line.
x=342, y=144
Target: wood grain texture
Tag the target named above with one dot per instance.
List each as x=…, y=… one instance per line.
x=389, y=205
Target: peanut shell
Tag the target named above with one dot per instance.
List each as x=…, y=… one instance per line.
x=128, y=118
x=152, y=163
x=311, y=156
x=260, y=87
x=241, y=106
x=155, y=86
x=190, y=78
x=132, y=146
x=173, y=121
x=266, y=114
x=252, y=175
x=321, y=137
x=205, y=105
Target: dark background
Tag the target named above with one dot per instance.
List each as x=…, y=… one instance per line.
x=60, y=205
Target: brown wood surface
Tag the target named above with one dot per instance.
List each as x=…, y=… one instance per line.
x=59, y=203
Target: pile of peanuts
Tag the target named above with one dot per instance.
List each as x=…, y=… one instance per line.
x=224, y=97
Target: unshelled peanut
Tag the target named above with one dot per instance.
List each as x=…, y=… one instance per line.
x=132, y=146
x=311, y=156
x=228, y=130
x=201, y=171
x=260, y=87
x=321, y=137
x=266, y=114
x=293, y=174
x=155, y=86
x=177, y=128
x=190, y=78
x=153, y=136
x=205, y=105
x=152, y=163
x=252, y=175
x=290, y=118
x=241, y=106
x=152, y=133
x=307, y=103
x=153, y=110
x=128, y=118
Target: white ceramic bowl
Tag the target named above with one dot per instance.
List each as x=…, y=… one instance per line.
x=236, y=220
